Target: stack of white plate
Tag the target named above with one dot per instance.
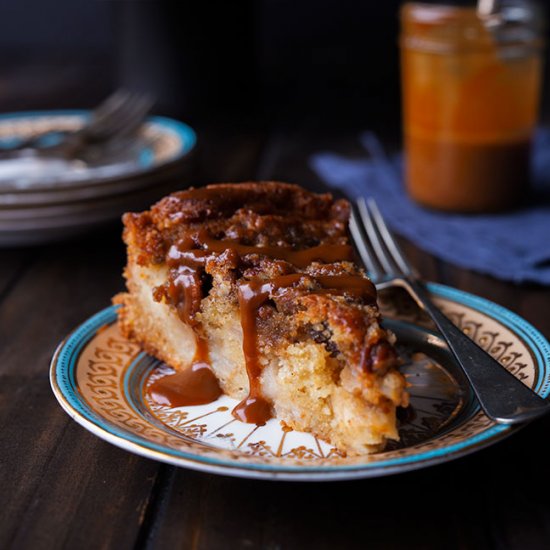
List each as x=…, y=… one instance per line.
x=43, y=200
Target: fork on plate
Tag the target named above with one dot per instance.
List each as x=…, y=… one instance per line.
x=501, y=395
x=117, y=117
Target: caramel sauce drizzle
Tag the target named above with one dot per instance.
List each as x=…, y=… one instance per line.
x=198, y=384
x=255, y=409
x=326, y=253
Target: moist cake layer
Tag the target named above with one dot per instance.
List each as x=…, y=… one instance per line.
x=257, y=282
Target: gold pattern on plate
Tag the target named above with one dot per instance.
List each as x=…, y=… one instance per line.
x=103, y=363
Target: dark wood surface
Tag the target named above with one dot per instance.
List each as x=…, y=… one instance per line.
x=61, y=487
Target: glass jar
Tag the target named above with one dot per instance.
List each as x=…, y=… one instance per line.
x=470, y=91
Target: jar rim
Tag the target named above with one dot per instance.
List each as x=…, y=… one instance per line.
x=444, y=28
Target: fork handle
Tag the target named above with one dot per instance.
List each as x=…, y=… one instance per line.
x=501, y=395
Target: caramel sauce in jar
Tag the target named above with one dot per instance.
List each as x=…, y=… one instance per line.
x=470, y=105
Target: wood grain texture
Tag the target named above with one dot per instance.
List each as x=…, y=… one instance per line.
x=61, y=486
x=77, y=279
x=14, y=263
x=64, y=488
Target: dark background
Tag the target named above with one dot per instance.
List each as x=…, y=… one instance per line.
x=310, y=75
x=269, y=60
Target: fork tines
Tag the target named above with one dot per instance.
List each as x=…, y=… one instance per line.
x=121, y=113
x=380, y=253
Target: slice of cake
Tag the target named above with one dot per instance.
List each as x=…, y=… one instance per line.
x=252, y=289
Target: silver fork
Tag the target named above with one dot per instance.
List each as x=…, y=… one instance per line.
x=118, y=116
x=501, y=395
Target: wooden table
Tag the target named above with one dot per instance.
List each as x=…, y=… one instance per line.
x=61, y=487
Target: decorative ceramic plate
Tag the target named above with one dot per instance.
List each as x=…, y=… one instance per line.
x=99, y=378
x=44, y=200
x=36, y=180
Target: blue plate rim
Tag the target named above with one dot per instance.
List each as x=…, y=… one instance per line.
x=66, y=355
x=186, y=134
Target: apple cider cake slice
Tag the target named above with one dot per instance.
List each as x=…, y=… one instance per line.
x=251, y=289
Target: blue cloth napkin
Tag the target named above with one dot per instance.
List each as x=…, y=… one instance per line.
x=514, y=246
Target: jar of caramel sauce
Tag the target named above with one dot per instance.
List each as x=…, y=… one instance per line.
x=470, y=89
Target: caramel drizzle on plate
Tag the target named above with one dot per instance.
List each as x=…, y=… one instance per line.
x=184, y=290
